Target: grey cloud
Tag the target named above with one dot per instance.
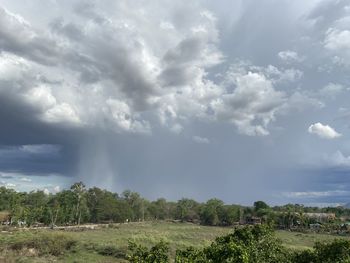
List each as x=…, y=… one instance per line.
x=70, y=30
x=87, y=10
x=5, y=176
x=327, y=12
x=186, y=51
x=17, y=36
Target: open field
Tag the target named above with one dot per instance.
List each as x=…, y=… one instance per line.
x=110, y=242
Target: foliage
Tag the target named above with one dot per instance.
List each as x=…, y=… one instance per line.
x=187, y=210
x=52, y=244
x=79, y=205
x=337, y=251
x=110, y=250
x=156, y=254
x=245, y=245
x=195, y=244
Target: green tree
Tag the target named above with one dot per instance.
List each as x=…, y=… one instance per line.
x=212, y=212
x=159, y=209
x=187, y=210
x=136, y=204
x=79, y=191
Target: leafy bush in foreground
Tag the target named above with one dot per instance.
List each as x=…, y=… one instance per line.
x=246, y=245
x=337, y=251
x=140, y=254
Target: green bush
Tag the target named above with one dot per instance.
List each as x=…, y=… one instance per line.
x=110, y=250
x=337, y=251
x=156, y=254
x=246, y=245
x=306, y=256
x=250, y=244
x=46, y=244
x=190, y=255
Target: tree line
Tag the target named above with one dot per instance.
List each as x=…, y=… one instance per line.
x=79, y=204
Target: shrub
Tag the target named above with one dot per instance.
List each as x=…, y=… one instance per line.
x=337, y=251
x=246, y=245
x=49, y=244
x=110, y=250
x=156, y=254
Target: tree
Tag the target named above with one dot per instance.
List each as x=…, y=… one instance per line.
x=212, y=212
x=158, y=209
x=187, y=210
x=52, y=212
x=35, y=202
x=106, y=206
x=260, y=205
x=230, y=214
x=79, y=191
x=136, y=204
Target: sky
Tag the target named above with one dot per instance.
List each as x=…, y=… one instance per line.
x=240, y=100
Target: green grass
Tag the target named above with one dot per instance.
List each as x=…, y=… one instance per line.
x=91, y=242
x=110, y=243
x=299, y=241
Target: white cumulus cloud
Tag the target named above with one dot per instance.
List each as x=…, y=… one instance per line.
x=323, y=131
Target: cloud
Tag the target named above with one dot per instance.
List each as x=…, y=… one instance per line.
x=289, y=56
x=51, y=189
x=201, y=140
x=317, y=194
x=18, y=36
x=116, y=79
x=338, y=159
x=337, y=39
x=124, y=118
x=299, y=101
x=25, y=179
x=323, y=131
x=20, y=82
x=6, y=176
x=121, y=87
x=56, y=189
x=253, y=100
x=331, y=90
x=41, y=148
x=101, y=91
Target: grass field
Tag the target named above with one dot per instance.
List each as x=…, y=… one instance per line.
x=105, y=244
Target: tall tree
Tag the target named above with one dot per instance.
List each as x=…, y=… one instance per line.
x=79, y=191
